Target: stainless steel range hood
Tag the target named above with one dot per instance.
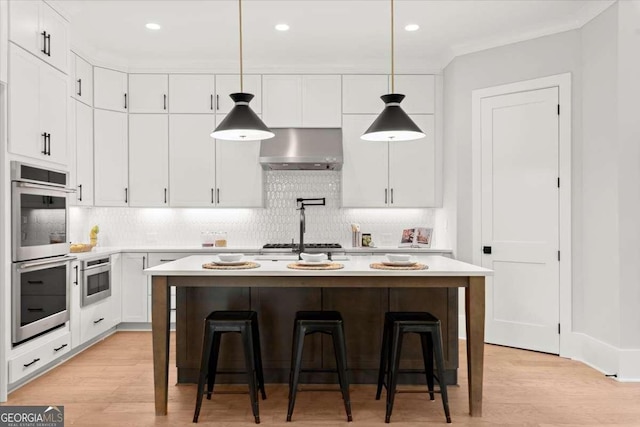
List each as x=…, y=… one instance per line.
x=302, y=149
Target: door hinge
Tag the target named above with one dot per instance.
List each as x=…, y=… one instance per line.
x=558, y=182
x=558, y=109
x=558, y=328
x=558, y=255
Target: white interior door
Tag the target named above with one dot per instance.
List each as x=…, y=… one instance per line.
x=520, y=218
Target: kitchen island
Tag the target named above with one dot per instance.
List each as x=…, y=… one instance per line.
x=273, y=288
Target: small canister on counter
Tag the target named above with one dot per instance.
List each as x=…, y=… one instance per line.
x=221, y=239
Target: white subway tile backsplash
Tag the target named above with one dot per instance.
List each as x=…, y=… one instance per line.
x=278, y=221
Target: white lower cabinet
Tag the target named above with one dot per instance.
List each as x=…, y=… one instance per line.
x=96, y=319
x=161, y=258
x=134, y=288
x=31, y=361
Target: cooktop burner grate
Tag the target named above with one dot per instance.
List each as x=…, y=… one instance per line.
x=307, y=245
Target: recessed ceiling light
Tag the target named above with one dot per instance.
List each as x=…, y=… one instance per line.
x=153, y=26
x=282, y=27
x=412, y=27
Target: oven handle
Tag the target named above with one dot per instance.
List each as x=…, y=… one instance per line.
x=45, y=187
x=47, y=262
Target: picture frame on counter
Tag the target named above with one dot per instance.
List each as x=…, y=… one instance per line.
x=417, y=237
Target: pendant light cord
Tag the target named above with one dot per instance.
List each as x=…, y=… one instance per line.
x=392, y=51
x=240, y=19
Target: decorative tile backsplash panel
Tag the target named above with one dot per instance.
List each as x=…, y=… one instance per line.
x=277, y=222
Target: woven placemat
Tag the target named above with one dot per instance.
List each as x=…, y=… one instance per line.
x=331, y=266
x=381, y=266
x=245, y=266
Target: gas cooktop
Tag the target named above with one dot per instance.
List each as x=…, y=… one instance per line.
x=306, y=245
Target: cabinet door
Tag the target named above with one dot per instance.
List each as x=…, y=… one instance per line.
x=412, y=168
x=148, y=160
x=361, y=93
x=148, y=93
x=110, y=89
x=191, y=93
x=419, y=91
x=84, y=154
x=111, y=158
x=116, y=288
x=58, y=40
x=134, y=288
x=53, y=112
x=74, y=303
x=365, y=169
x=192, y=160
x=238, y=174
x=83, y=80
x=321, y=101
x=282, y=101
x=25, y=135
x=24, y=29
x=227, y=84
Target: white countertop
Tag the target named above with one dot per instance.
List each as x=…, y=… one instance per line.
x=353, y=266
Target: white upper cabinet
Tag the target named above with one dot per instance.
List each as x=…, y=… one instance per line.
x=38, y=28
x=149, y=160
x=227, y=84
x=412, y=168
x=321, y=101
x=110, y=89
x=365, y=169
x=282, y=100
x=238, y=174
x=192, y=160
x=361, y=93
x=84, y=154
x=192, y=93
x=37, y=108
x=419, y=91
x=148, y=93
x=82, y=80
x=111, y=158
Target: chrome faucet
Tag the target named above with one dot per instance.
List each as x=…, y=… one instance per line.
x=301, y=207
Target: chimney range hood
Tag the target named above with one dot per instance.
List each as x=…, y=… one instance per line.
x=302, y=149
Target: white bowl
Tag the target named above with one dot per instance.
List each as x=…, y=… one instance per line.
x=313, y=257
x=398, y=257
x=230, y=257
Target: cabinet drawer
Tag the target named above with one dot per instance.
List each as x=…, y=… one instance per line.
x=95, y=319
x=164, y=257
x=32, y=361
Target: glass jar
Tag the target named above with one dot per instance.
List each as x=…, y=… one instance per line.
x=220, y=239
x=207, y=238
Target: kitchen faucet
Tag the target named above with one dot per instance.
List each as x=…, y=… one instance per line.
x=302, y=203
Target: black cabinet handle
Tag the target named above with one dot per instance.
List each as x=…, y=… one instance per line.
x=211, y=102
x=47, y=142
x=392, y=196
x=212, y=200
x=35, y=282
x=217, y=195
x=44, y=142
x=80, y=192
x=486, y=249
x=60, y=348
x=126, y=195
x=95, y=322
x=76, y=281
x=165, y=195
x=125, y=101
x=385, y=196
x=26, y=365
x=46, y=43
x=35, y=310
x=165, y=101
x=144, y=260
x=79, y=87
x=217, y=102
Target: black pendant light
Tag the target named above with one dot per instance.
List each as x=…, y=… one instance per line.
x=242, y=123
x=393, y=124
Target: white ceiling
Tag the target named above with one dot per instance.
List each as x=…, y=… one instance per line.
x=326, y=35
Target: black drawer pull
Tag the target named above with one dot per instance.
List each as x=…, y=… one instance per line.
x=26, y=365
x=167, y=260
x=35, y=310
x=35, y=282
x=60, y=348
x=95, y=322
x=125, y=101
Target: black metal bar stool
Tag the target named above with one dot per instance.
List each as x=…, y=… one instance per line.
x=324, y=322
x=246, y=324
x=396, y=324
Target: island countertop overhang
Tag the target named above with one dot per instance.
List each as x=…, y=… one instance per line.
x=356, y=266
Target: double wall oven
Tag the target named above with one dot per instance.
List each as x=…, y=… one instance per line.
x=41, y=264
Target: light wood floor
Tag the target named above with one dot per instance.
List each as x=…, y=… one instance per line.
x=111, y=384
